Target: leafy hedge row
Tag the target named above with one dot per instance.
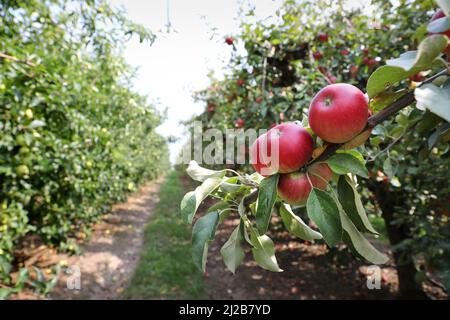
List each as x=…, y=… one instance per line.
x=74, y=137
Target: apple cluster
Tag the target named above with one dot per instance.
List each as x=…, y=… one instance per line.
x=338, y=114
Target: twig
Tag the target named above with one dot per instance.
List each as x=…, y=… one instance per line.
x=373, y=158
x=11, y=58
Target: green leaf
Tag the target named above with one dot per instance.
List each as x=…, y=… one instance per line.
x=436, y=99
x=383, y=99
x=202, y=234
x=232, y=252
x=343, y=163
x=385, y=77
x=188, y=206
x=267, y=195
x=256, y=177
x=360, y=244
x=390, y=167
x=192, y=200
x=201, y=174
x=429, y=49
x=440, y=131
x=352, y=204
x=5, y=293
x=230, y=185
x=322, y=209
x=264, y=251
x=295, y=225
x=354, y=153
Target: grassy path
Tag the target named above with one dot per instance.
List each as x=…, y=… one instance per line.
x=165, y=268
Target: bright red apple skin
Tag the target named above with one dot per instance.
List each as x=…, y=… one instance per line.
x=211, y=107
x=369, y=61
x=345, y=52
x=317, y=55
x=294, y=188
x=322, y=37
x=229, y=40
x=338, y=112
x=359, y=139
x=295, y=146
x=240, y=123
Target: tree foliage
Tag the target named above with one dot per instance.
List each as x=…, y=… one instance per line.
x=74, y=137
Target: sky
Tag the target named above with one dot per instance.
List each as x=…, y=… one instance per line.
x=178, y=63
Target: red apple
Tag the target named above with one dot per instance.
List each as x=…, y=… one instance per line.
x=239, y=123
x=229, y=40
x=259, y=100
x=240, y=82
x=338, y=112
x=211, y=107
x=365, y=51
x=369, y=61
x=317, y=55
x=359, y=139
x=345, y=52
x=322, y=37
x=294, y=188
x=292, y=144
x=354, y=69
x=418, y=77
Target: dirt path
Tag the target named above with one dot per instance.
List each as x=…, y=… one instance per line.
x=310, y=272
x=110, y=257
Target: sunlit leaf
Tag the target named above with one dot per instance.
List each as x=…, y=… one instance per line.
x=267, y=196
x=202, y=233
x=232, y=252
x=295, y=225
x=352, y=204
x=435, y=99
x=322, y=209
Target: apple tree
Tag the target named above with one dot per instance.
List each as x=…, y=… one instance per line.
x=296, y=71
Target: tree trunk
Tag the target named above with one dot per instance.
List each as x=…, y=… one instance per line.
x=387, y=200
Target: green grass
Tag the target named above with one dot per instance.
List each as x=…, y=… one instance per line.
x=165, y=269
